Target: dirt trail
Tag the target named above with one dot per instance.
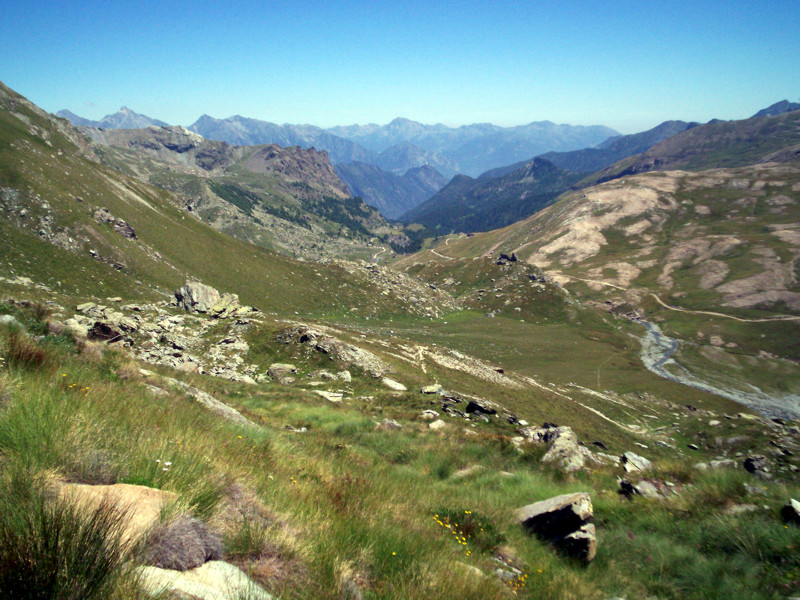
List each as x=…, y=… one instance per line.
x=377, y=254
x=716, y=314
x=686, y=310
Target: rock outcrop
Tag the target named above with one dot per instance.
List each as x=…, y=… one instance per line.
x=563, y=451
x=201, y=298
x=564, y=521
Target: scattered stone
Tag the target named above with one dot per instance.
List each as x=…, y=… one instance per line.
x=330, y=396
x=728, y=463
x=220, y=408
x=429, y=415
x=196, y=297
x=125, y=230
x=322, y=374
x=738, y=509
x=103, y=332
x=642, y=488
x=389, y=425
x=791, y=512
x=393, y=385
x=693, y=446
x=432, y=389
x=437, y=425
x=758, y=466
x=294, y=429
x=142, y=505
x=633, y=462
x=282, y=373
x=565, y=521
x=564, y=449
x=477, y=408
x=345, y=376
x=468, y=471
x=10, y=321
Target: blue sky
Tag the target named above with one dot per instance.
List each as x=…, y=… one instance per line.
x=628, y=65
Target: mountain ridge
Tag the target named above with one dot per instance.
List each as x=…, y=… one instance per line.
x=124, y=118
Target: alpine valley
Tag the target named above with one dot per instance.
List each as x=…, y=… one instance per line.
x=406, y=361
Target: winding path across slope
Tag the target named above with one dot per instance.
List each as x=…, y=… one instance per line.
x=686, y=310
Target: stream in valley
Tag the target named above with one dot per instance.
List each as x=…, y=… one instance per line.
x=657, y=352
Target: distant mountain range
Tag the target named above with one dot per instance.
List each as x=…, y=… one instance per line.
x=124, y=118
x=398, y=146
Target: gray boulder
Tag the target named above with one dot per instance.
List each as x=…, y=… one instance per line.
x=639, y=488
x=197, y=297
x=564, y=450
x=633, y=462
x=282, y=373
x=564, y=521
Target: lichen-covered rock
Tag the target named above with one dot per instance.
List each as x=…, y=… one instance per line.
x=181, y=544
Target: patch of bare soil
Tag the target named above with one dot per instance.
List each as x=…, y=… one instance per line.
x=580, y=234
x=768, y=287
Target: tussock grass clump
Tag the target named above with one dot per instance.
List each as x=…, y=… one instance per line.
x=52, y=549
x=181, y=544
x=721, y=487
x=23, y=352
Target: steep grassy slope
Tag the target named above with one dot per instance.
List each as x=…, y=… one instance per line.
x=51, y=195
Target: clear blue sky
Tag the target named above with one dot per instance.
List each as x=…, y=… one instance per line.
x=628, y=65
